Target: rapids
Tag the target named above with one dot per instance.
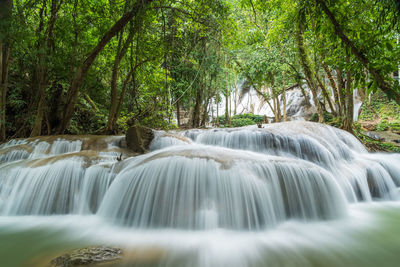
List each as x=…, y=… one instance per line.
x=287, y=194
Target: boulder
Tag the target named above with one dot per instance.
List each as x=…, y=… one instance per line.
x=138, y=138
x=89, y=256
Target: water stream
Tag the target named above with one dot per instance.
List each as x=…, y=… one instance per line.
x=288, y=194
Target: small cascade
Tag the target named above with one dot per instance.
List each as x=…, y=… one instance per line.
x=162, y=140
x=242, y=179
x=189, y=187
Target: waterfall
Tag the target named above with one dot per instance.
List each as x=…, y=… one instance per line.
x=243, y=180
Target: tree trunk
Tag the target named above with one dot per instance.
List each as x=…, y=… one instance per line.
x=128, y=78
x=45, y=46
x=196, y=110
x=360, y=55
x=178, y=113
x=111, y=124
x=217, y=102
x=5, y=47
x=278, y=117
x=4, y=63
x=307, y=70
x=227, y=118
x=204, y=117
x=341, y=90
x=326, y=95
x=284, y=106
x=334, y=88
x=305, y=95
x=84, y=68
x=348, y=119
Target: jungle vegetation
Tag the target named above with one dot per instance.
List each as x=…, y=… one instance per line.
x=98, y=66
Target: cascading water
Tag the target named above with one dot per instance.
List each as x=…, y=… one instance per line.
x=288, y=194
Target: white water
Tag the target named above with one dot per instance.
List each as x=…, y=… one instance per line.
x=249, y=101
x=289, y=194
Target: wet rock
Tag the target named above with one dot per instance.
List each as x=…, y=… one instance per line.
x=386, y=136
x=374, y=135
x=138, y=138
x=88, y=256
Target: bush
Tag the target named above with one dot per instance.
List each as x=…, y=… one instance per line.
x=394, y=126
x=328, y=117
x=253, y=117
x=382, y=126
x=86, y=120
x=242, y=122
x=221, y=120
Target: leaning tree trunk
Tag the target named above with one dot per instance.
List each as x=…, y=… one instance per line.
x=84, y=68
x=307, y=70
x=326, y=95
x=334, y=88
x=111, y=124
x=360, y=55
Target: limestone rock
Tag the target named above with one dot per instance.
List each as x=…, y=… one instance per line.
x=138, y=138
x=88, y=256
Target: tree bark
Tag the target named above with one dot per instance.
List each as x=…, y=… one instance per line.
x=360, y=55
x=45, y=46
x=284, y=106
x=227, y=117
x=326, y=95
x=84, y=68
x=341, y=90
x=307, y=70
x=334, y=88
x=5, y=48
x=348, y=119
x=111, y=124
x=178, y=113
x=196, y=111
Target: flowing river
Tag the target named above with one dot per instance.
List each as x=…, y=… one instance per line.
x=288, y=194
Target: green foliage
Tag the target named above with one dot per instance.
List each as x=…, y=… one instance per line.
x=190, y=58
x=328, y=117
x=394, y=126
x=240, y=122
x=255, y=118
x=380, y=108
x=86, y=120
x=374, y=145
x=382, y=126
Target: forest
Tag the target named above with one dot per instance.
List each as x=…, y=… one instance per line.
x=201, y=133
x=98, y=67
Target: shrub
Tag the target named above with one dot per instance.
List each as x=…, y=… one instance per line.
x=242, y=122
x=253, y=117
x=328, y=117
x=394, y=126
x=382, y=126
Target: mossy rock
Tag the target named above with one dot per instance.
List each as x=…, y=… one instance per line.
x=138, y=138
x=88, y=256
